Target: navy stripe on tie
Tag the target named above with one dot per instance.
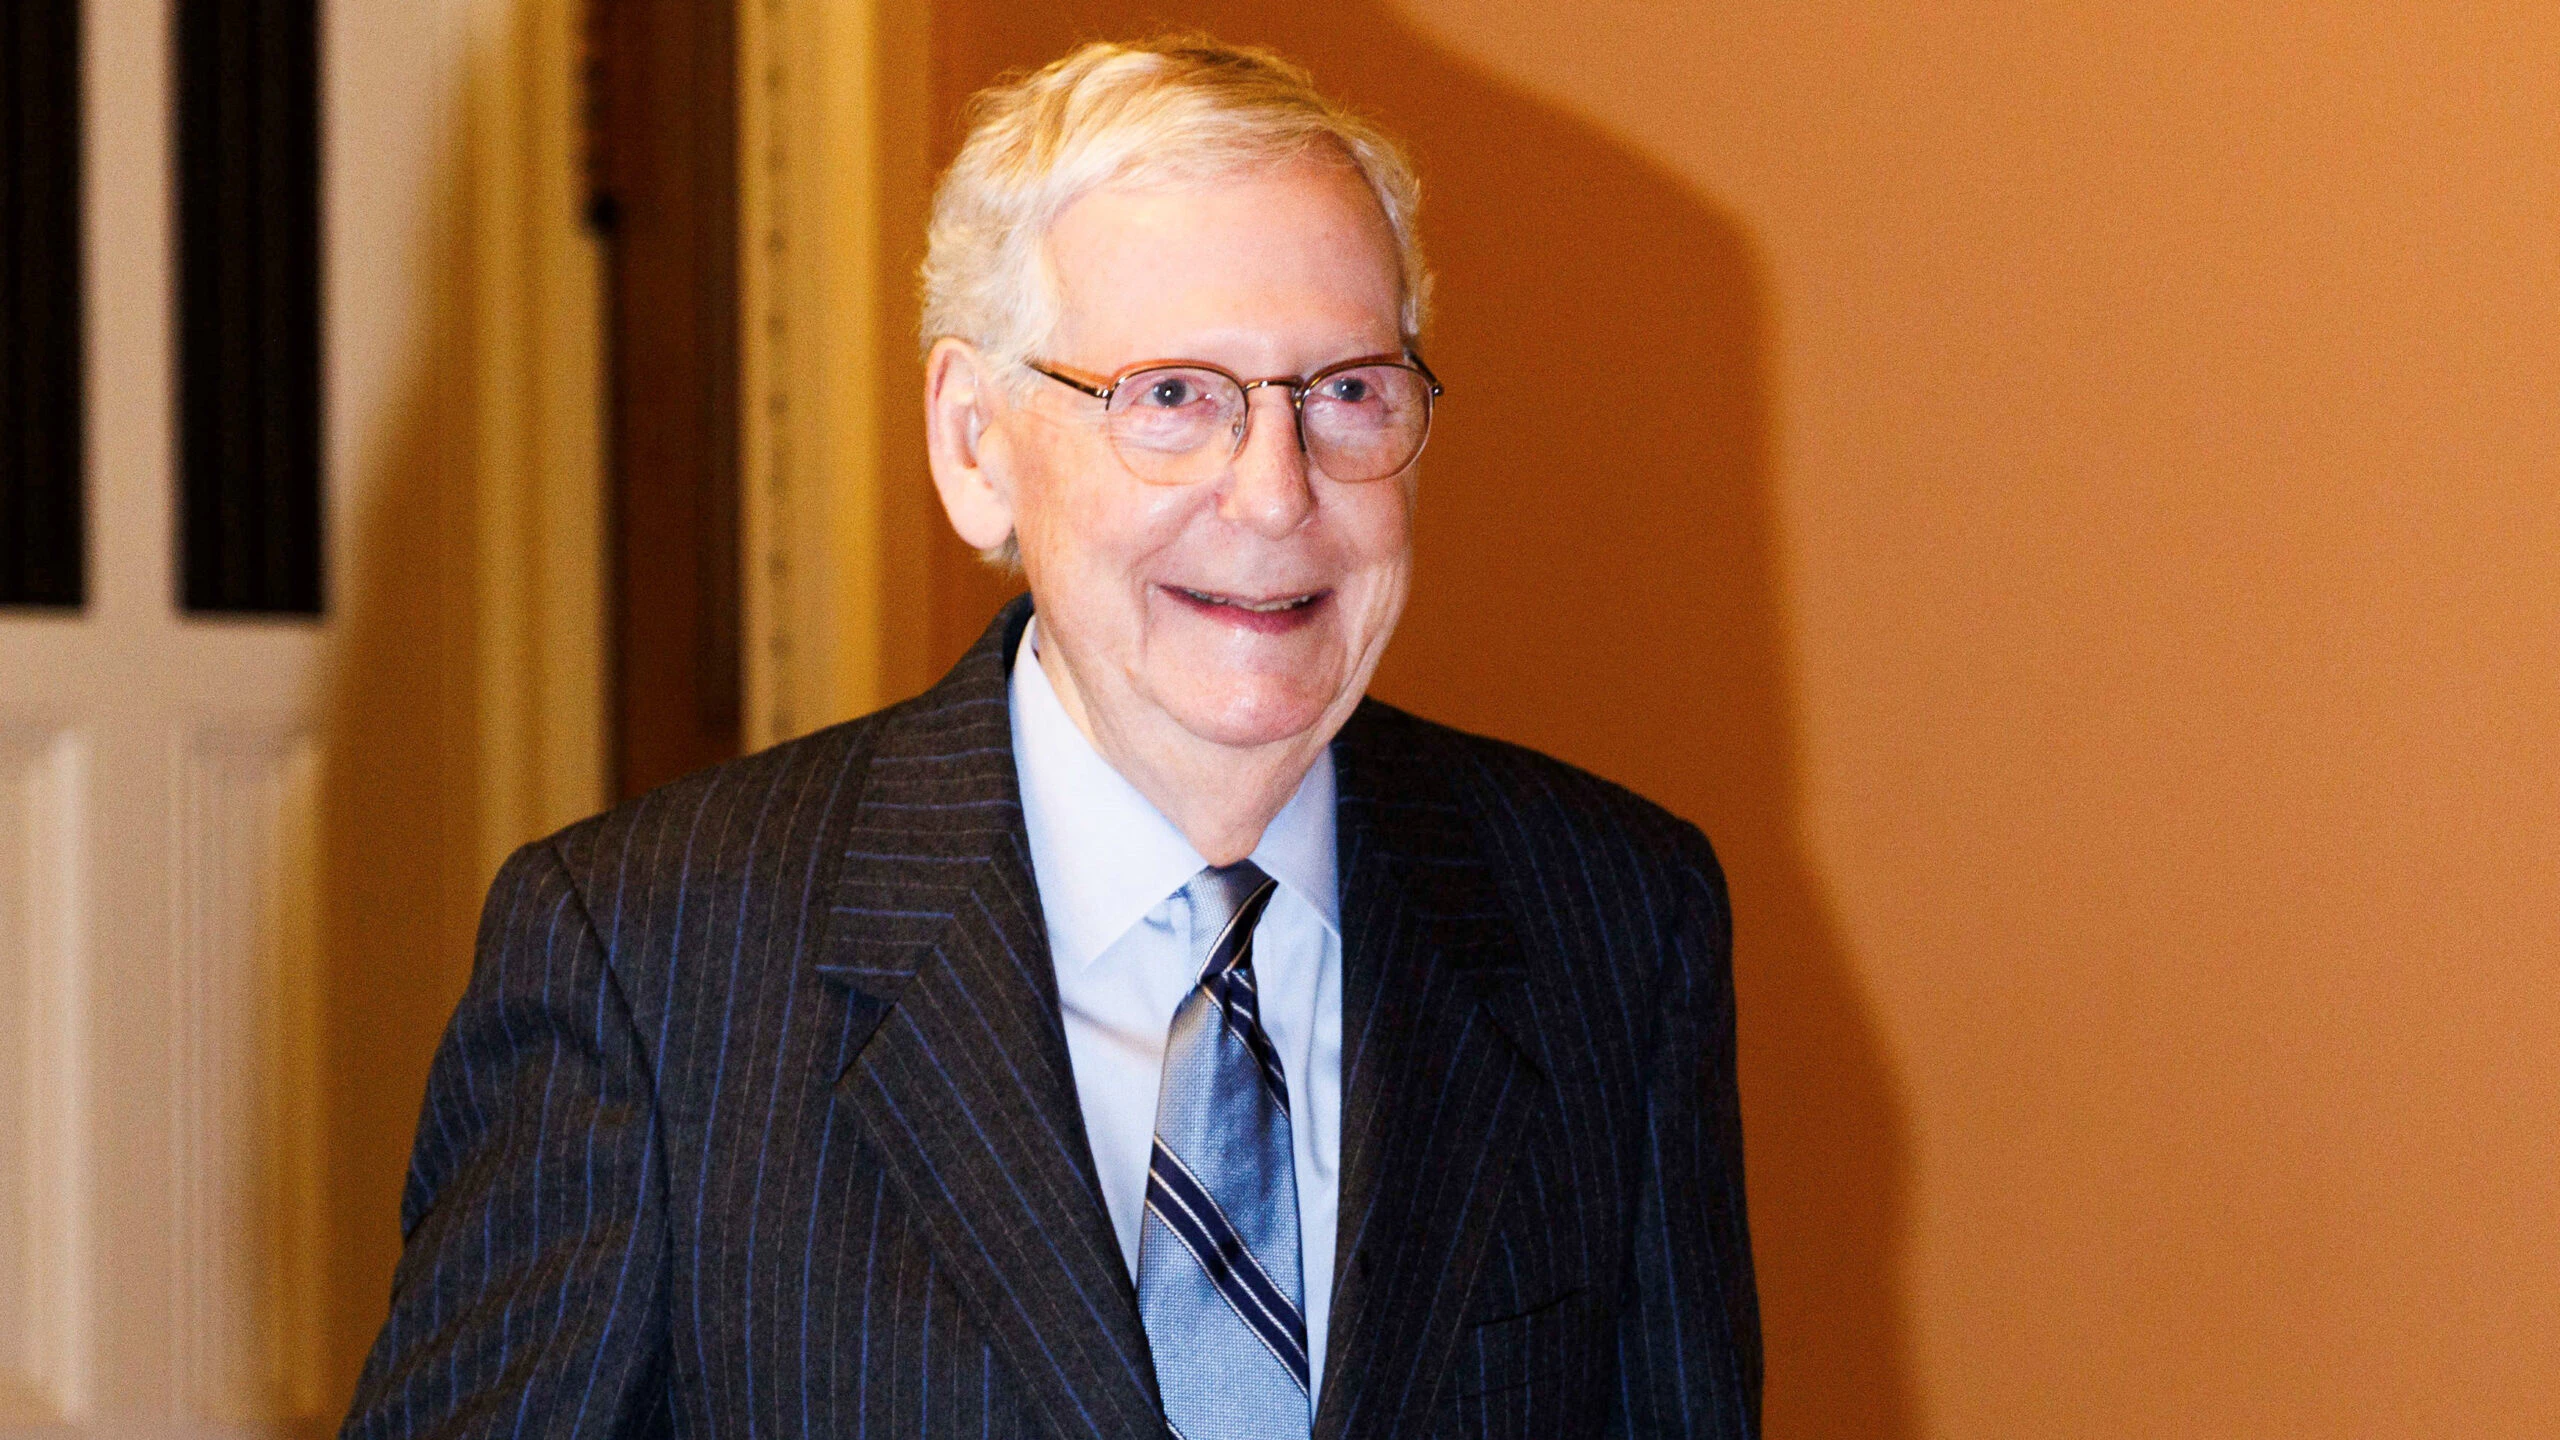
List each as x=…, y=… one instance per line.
x=1229, y=975
x=1242, y=1007
x=1178, y=1198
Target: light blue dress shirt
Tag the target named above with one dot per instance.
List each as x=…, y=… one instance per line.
x=1109, y=866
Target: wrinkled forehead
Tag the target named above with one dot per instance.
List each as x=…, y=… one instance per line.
x=1285, y=255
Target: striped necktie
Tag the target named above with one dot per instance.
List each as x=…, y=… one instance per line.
x=1218, y=1282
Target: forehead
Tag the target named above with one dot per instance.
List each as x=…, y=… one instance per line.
x=1266, y=265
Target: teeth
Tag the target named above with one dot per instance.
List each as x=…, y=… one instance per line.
x=1258, y=607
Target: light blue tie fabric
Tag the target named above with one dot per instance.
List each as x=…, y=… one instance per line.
x=1218, y=1257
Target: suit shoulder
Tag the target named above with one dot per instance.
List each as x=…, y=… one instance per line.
x=714, y=823
x=1517, y=797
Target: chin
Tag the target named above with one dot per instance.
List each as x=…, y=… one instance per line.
x=1251, y=713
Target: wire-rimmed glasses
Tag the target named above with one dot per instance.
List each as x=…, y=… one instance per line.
x=1179, y=422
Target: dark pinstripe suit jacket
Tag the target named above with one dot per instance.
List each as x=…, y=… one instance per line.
x=757, y=1120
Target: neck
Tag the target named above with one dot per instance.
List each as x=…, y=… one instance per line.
x=1221, y=797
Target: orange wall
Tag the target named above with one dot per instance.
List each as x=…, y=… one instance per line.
x=2069, y=497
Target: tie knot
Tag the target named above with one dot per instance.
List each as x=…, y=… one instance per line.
x=1226, y=902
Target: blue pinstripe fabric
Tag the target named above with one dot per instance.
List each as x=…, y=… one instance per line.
x=756, y=1118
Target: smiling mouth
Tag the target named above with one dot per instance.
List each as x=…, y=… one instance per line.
x=1278, y=606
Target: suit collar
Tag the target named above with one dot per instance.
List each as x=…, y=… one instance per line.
x=963, y=1084
x=1417, y=879
x=1437, y=1062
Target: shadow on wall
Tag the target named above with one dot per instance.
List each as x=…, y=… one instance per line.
x=399, y=818
x=1596, y=577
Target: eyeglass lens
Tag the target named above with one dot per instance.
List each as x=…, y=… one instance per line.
x=1178, y=424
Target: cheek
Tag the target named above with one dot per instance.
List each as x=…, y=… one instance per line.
x=1379, y=535
x=1386, y=540
x=1087, y=532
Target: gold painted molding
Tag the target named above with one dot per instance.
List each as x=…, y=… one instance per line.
x=832, y=181
x=536, y=369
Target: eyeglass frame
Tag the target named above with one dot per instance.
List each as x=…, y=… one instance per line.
x=1406, y=359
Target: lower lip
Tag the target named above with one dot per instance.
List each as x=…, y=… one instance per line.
x=1259, y=622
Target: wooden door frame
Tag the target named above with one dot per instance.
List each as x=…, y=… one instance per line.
x=837, y=504
x=536, y=315
x=662, y=145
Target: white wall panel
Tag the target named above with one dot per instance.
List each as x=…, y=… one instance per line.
x=243, y=1072
x=167, y=1268
x=44, y=1252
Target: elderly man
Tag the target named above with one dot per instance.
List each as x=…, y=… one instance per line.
x=1141, y=1032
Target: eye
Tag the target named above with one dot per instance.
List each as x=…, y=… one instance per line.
x=1349, y=389
x=1169, y=392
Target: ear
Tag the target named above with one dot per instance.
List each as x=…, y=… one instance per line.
x=959, y=400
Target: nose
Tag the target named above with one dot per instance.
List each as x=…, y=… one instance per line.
x=1268, y=488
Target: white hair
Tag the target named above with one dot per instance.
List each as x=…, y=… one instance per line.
x=1168, y=111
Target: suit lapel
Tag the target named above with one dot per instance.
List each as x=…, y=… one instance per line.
x=963, y=1085
x=1436, y=1071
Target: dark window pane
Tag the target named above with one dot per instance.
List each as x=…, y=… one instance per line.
x=41, y=524
x=249, y=305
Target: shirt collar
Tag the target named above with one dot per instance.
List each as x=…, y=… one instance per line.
x=1104, y=855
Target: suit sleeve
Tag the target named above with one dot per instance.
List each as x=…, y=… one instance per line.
x=1689, y=1325
x=530, y=1292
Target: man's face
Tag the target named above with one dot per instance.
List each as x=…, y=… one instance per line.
x=1248, y=609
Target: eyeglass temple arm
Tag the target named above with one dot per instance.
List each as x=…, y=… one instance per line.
x=1098, y=392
